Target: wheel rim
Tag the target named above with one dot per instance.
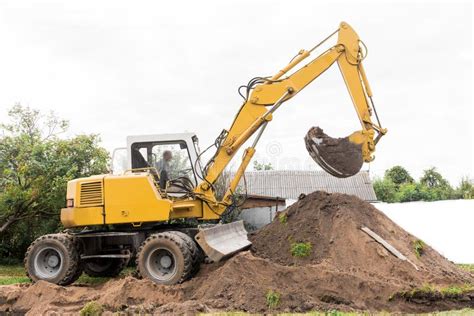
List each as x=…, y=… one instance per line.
x=48, y=263
x=161, y=264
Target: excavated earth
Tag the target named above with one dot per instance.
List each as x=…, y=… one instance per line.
x=345, y=270
x=336, y=153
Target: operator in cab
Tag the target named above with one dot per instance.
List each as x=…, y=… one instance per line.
x=163, y=166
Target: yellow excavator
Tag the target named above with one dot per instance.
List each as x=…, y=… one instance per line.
x=163, y=210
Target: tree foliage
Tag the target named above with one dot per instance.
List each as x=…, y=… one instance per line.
x=397, y=185
x=35, y=166
x=398, y=175
x=465, y=189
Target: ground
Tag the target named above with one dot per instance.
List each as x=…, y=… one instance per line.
x=15, y=274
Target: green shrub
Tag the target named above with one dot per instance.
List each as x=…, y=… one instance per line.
x=418, y=247
x=92, y=308
x=273, y=299
x=301, y=249
x=283, y=218
x=385, y=190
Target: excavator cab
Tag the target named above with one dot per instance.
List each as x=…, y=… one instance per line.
x=146, y=152
x=170, y=157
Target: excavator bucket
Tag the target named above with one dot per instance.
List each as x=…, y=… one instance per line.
x=223, y=240
x=340, y=157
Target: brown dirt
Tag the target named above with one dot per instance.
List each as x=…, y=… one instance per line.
x=346, y=270
x=338, y=153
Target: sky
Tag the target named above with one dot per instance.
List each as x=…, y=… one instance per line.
x=119, y=68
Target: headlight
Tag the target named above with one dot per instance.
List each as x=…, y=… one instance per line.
x=70, y=203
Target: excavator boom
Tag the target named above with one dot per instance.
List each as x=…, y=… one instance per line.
x=265, y=95
x=340, y=157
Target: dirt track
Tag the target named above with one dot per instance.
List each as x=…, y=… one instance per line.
x=346, y=270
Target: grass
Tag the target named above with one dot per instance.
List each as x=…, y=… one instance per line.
x=12, y=274
x=283, y=218
x=418, y=247
x=467, y=267
x=301, y=249
x=15, y=274
x=436, y=293
x=273, y=299
x=91, y=309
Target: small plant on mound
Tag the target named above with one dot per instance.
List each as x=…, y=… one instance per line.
x=283, y=218
x=92, y=309
x=273, y=298
x=301, y=249
x=418, y=247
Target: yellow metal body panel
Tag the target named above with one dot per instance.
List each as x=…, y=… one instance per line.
x=196, y=209
x=187, y=209
x=82, y=216
x=133, y=198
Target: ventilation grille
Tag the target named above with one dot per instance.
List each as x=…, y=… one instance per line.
x=91, y=194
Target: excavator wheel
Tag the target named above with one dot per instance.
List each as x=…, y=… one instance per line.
x=53, y=258
x=104, y=267
x=165, y=258
x=196, y=252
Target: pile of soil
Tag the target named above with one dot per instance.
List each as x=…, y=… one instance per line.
x=345, y=270
x=350, y=267
x=338, y=156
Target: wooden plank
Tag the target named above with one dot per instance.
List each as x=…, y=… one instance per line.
x=387, y=246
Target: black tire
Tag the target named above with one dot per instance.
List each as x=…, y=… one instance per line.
x=165, y=258
x=53, y=258
x=196, y=252
x=104, y=267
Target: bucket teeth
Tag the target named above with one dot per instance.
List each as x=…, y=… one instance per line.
x=223, y=240
x=337, y=156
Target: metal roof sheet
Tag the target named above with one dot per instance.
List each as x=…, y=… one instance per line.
x=290, y=184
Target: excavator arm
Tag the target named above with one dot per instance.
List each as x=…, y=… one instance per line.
x=265, y=95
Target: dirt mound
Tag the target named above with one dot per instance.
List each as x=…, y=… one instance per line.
x=345, y=269
x=364, y=274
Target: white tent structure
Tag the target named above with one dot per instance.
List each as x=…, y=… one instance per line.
x=447, y=226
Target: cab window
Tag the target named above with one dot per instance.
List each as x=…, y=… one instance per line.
x=171, y=159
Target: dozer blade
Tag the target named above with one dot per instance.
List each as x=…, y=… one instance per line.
x=223, y=240
x=339, y=157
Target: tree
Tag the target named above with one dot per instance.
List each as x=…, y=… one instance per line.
x=398, y=186
x=436, y=184
x=262, y=166
x=35, y=166
x=465, y=190
x=433, y=179
x=409, y=192
x=385, y=190
x=398, y=175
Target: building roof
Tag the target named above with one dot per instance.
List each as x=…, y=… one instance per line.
x=290, y=184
